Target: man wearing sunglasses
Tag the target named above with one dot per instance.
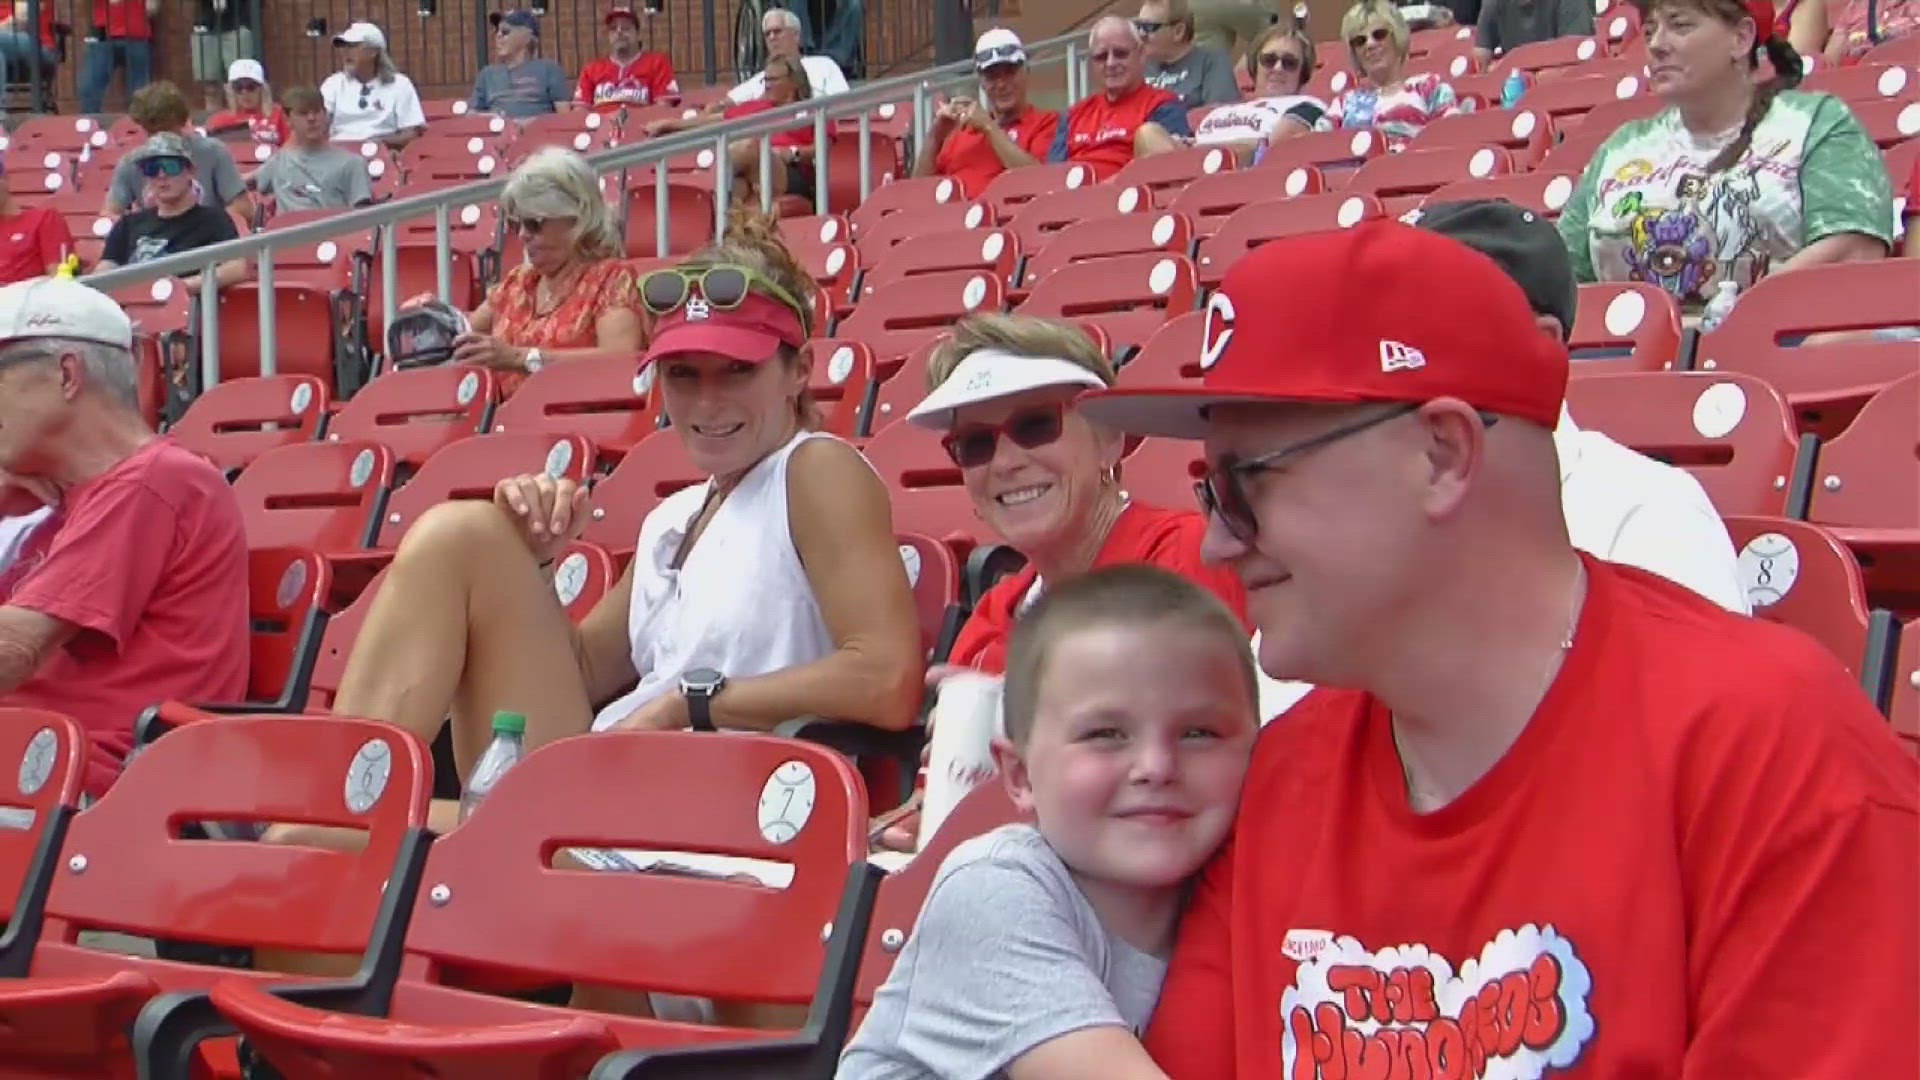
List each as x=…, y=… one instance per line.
x=974, y=141
x=1125, y=118
x=173, y=221
x=1547, y=815
x=1197, y=75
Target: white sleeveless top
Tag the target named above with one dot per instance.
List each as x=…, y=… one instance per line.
x=741, y=604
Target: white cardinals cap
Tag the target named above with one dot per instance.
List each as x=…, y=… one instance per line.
x=60, y=307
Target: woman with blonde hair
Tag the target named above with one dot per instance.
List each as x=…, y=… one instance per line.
x=250, y=111
x=1383, y=97
x=574, y=293
x=1280, y=63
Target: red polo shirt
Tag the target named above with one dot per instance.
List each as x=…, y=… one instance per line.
x=644, y=80
x=969, y=159
x=1099, y=131
x=122, y=18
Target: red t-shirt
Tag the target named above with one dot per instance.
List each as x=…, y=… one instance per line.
x=967, y=157
x=1099, y=131
x=644, y=80
x=271, y=129
x=17, y=9
x=149, y=561
x=1169, y=539
x=122, y=18
x=31, y=241
x=800, y=136
x=1696, y=862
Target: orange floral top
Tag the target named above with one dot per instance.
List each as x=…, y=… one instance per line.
x=606, y=286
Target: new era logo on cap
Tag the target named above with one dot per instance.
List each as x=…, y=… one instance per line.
x=1397, y=357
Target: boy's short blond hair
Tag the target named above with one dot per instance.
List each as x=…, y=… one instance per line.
x=1135, y=595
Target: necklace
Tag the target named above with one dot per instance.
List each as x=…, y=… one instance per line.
x=545, y=289
x=1418, y=796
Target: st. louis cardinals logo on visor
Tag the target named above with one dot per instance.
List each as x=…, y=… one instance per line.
x=1216, y=331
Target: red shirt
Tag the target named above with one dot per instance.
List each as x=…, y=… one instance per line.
x=122, y=18
x=1697, y=862
x=1100, y=131
x=149, y=562
x=30, y=242
x=644, y=80
x=271, y=130
x=969, y=158
x=801, y=136
x=1169, y=539
x=17, y=9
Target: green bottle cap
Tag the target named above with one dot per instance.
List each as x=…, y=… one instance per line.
x=509, y=723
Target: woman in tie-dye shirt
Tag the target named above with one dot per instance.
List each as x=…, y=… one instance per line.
x=1734, y=179
x=1395, y=106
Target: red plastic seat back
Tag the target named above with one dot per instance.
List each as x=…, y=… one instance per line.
x=918, y=309
x=878, y=238
x=1905, y=713
x=1632, y=315
x=582, y=574
x=1166, y=174
x=1554, y=52
x=1544, y=193
x=417, y=411
x=1040, y=218
x=1170, y=356
x=234, y=422
x=1869, y=476
x=905, y=388
x=286, y=595
x=1161, y=472
x=304, y=334
x=1400, y=180
x=904, y=195
x=1570, y=97
x=740, y=795
x=1525, y=133
x=1335, y=153
x=656, y=468
x=841, y=371
x=689, y=214
x=1015, y=188
x=1732, y=432
x=322, y=496
x=1890, y=121
x=1802, y=576
x=989, y=250
x=1168, y=232
x=925, y=485
x=606, y=399
x=470, y=468
x=1258, y=223
x=935, y=577
x=336, y=645
x=1210, y=200
x=1128, y=296
x=1864, y=82
x=44, y=757
x=141, y=878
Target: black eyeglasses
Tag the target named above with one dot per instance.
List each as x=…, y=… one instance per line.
x=1223, y=494
x=527, y=226
x=1029, y=429
x=1285, y=61
x=1105, y=55
x=1380, y=33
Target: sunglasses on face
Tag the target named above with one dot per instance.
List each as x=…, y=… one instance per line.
x=1379, y=34
x=529, y=226
x=1004, y=54
x=244, y=85
x=1147, y=27
x=1114, y=55
x=723, y=286
x=164, y=166
x=975, y=444
x=1285, y=61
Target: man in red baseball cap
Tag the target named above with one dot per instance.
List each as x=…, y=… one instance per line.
x=626, y=76
x=1547, y=815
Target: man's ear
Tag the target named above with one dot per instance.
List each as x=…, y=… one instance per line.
x=1013, y=773
x=1550, y=326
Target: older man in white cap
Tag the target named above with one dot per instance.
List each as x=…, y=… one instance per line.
x=368, y=97
x=975, y=141
x=134, y=589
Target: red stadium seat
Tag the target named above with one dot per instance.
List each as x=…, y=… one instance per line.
x=1732, y=432
x=234, y=422
x=1166, y=174
x=287, y=590
x=1209, y=200
x=417, y=271
x=1170, y=356
x=470, y=468
x=1606, y=117
x=925, y=486
x=1400, y=181
x=1161, y=472
x=1901, y=49
x=1128, y=296
x=688, y=211
x=1168, y=233
x=1544, y=193
x=583, y=573
x=605, y=399
x=1571, y=97
x=1888, y=121
x=1335, y=153
x=50, y=750
x=1526, y=133
x=1905, y=709
x=1864, y=82
x=1015, y=188
x=1453, y=60
x=1824, y=382
x=417, y=411
x=903, y=196
x=918, y=309
x=1257, y=223
x=732, y=940
x=896, y=395
x=326, y=497
x=655, y=469
x=336, y=647
x=880, y=237
x=838, y=378
x=989, y=250
x=1631, y=315
x=1554, y=52
x=935, y=577
x=1800, y=575
x=1040, y=218
x=70, y=1013
x=309, y=334
x=1867, y=490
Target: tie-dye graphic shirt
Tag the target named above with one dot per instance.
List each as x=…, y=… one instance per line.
x=1398, y=112
x=1648, y=210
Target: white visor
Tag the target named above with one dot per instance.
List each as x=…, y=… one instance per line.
x=987, y=374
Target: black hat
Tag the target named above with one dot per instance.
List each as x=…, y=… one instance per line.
x=1526, y=245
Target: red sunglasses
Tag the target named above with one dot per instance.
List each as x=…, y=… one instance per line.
x=1029, y=429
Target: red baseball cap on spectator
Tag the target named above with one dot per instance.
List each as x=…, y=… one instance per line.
x=620, y=11
x=1382, y=312
x=749, y=333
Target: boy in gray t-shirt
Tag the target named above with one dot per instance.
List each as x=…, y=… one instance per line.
x=1130, y=715
x=311, y=173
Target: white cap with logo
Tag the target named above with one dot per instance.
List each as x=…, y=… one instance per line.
x=998, y=46
x=244, y=68
x=361, y=33
x=60, y=307
x=987, y=374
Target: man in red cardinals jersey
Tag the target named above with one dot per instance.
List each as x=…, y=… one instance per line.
x=1548, y=816
x=626, y=76
x=975, y=141
x=1125, y=118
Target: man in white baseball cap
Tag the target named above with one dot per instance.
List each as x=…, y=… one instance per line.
x=134, y=588
x=368, y=97
x=975, y=141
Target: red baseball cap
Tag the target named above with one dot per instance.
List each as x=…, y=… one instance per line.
x=621, y=11
x=750, y=332
x=1380, y=312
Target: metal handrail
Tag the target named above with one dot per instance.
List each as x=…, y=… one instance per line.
x=858, y=102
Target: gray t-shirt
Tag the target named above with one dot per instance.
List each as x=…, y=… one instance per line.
x=533, y=87
x=1202, y=77
x=1007, y=955
x=1505, y=25
x=325, y=179
x=215, y=176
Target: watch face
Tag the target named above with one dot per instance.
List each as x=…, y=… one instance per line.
x=701, y=681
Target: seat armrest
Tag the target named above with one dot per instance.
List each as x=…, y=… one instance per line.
x=795, y=1058
x=169, y=1030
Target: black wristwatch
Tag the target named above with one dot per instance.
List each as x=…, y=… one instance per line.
x=699, y=685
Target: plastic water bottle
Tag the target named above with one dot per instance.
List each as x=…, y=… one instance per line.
x=1511, y=90
x=1720, y=305
x=506, y=750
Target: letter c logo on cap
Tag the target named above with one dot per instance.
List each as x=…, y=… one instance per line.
x=1216, y=330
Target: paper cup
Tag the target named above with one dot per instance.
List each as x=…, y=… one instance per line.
x=966, y=716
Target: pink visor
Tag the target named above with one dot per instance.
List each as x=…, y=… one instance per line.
x=750, y=332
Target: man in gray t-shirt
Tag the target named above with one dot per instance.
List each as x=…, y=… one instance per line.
x=311, y=173
x=1009, y=947
x=519, y=85
x=1505, y=25
x=215, y=174
x=1195, y=74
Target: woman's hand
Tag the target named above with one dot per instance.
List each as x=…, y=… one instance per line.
x=550, y=513
x=903, y=835
x=668, y=712
x=488, y=351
